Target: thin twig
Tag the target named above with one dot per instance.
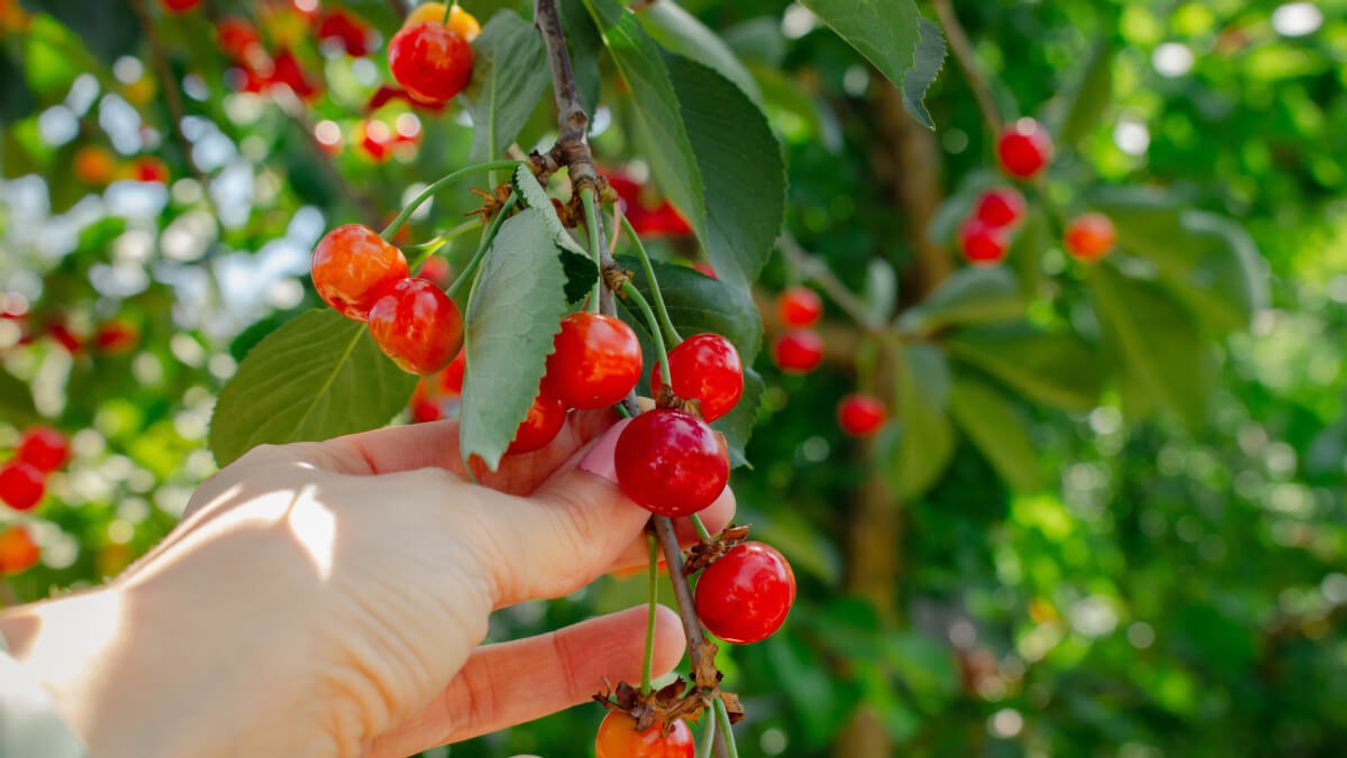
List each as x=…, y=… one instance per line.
x=815, y=269
x=963, y=52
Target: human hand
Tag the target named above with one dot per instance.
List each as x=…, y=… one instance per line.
x=328, y=599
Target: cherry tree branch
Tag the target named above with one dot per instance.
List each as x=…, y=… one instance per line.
x=963, y=52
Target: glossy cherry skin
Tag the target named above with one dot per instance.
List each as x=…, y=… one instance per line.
x=353, y=267
x=43, y=448
x=618, y=738
x=982, y=245
x=21, y=485
x=596, y=362
x=431, y=61
x=999, y=207
x=860, y=415
x=459, y=20
x=418, y=326
x=1090, y=237
x=799, y=307
x=746, y=595
x=451, y=379
x=671, y=463
x=798, y=351
x=704, y=367
x=18, y=552
x=545, y=418
x=1024, y=148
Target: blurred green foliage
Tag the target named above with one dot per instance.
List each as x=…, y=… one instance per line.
x=1174, y=584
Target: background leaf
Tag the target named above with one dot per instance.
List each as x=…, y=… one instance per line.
x=985, y=415
x=970, y=295
x=509, y=77
x=516, y=309
x=317, y=377
x=681, y=33
x=1059, y=370
x=926, y=64
x=884, y=31
x=926, y=444
x=1084, y=106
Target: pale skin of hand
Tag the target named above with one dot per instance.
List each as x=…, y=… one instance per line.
x=330, y=599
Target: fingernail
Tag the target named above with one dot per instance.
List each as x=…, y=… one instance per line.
x=599, y=459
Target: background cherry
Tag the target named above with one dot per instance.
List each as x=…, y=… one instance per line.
x=1000, y=206
x=418, y=326
x=545, y=418
x=982, y=244
x=597, y=361
x=799, y=307
x=353, y=267
x=860, y=415
x=704, y=367
x=746, y=595
x=671, y=463
x=21, y=485
x=798, y=351
x=1090, y=237
x=1024, y=148
x=18, y=552
x=618, y=738
x=432, y=62
x=43, y=448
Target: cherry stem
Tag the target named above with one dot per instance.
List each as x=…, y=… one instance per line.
x=723, y=718
x=488, y=237
x=647, y=674
x=397, y=223
x=702, y=531
x=426, y=249
x=448, y=10
x=708, y=737
x=594, y=223
x=665, y=323
x=629, y=290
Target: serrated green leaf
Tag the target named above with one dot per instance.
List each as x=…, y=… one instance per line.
x=682, y=33
x=886, y=32
x=987, y=418
x=926, y=444
x=581, y=270
x=658, y=125
x=1059, y=370
x=970, y=295
x=509, y=77
x=1090, y=95
x=737, y=425
x=927, y=61
x=516, y=309
x=318, y=376
x=740, y=160
x=1156, y=342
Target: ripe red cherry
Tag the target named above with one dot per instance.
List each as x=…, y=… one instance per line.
x=116, y=337
x=418, y=326
x=18, y=552
x=618, y=738
x=346, y=32
x=180, y=6
x=451, y=379
x=43, y=448
x=799, y=306
x=704, y=367
x=290, y=72
x=1024, y=148
x=597, y=361
x=353, y=267
x=671, y=463
x=798, y=351
x=432, y=62
x=860, y=415
x=21, y=485
x=545, y=418
x=982, y=244
x=1090, y=237
x=1002, y=206
x=744, y=596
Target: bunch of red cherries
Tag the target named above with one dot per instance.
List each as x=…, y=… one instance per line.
x=23, y=482
x=1025, y=150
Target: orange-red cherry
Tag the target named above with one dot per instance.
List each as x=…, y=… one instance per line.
x=18, y=552
x=670, y=462
x=596, y=362
x=431, y=61
x=544, y=420
x=618, y=738
x=353, y=267
x=418, y=326
x=799, y=307
x=1090, y=237
x=704, y=367
x=798, y=351
x=746, y=595
x=860, y=415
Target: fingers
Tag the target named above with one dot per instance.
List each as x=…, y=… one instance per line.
x=513, y=682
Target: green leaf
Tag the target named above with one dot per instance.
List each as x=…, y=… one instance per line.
x=680, y=32
x=108, y=28
x=15, y=99
x=880, y=292
x=969, y=296
x=658, y=125
x=1026, y=251
x=1059, y=370
x=16, y=400
x=926, y=444
x=926, y=64
x=1089, y=98
x=740, y=160
x=886, y=32
x=986, y=416
x=584, y=44
x=317, y=377
x=509, y=76
x=1156, y=342
x=1207, y=260
x=581, y=270
x=516, y=309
